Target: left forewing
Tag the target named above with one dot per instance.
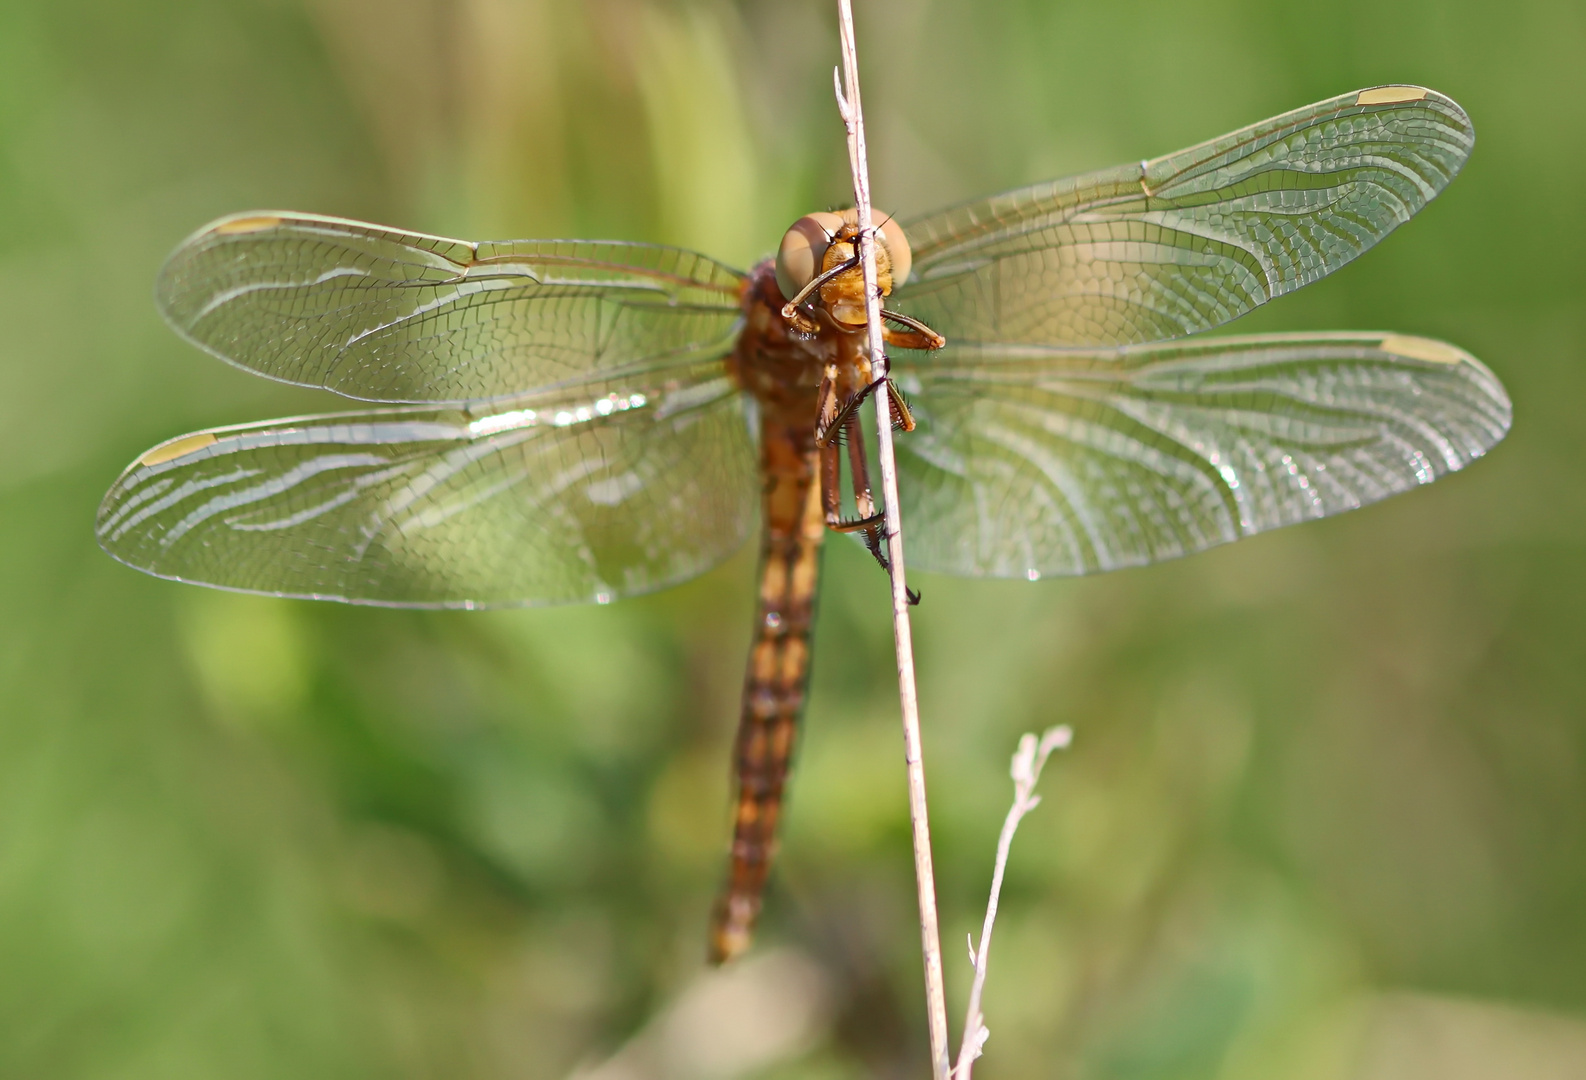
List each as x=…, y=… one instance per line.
x=380, y=314
x=1030, y=461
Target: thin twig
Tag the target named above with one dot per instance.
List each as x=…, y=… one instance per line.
x=925, y=877
x=1027, y=766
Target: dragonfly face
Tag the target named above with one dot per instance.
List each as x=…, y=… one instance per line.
x=823, y=244
x=565, y=421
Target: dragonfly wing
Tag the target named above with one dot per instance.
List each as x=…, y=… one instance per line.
x=382, y=315
x=1030, y=461
x=609, y=492
x=1164, y=248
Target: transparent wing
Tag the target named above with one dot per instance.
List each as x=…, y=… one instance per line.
x=1165, y=248
x=382, y=315
x=609, y=492
x=1031, y=461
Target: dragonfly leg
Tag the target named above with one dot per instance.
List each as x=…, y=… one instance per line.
x=803, y=325
x=828, y=417
x=831, y=486
x=917, y=336
x=902, y=415
x=864, y=501
x=832, y=492
x=844, y=421
x=827, y=432
x=865, y=525
x=813, y=286
x=872, y=522
x=791, y=311
x=830, y=478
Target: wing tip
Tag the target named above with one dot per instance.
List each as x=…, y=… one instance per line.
x=168, y=287
x=1442, y=353
x=1410, y=94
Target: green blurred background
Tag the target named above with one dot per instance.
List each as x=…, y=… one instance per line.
x=1325, y=816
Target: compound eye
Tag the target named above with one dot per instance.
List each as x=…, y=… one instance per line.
x=897, y=247
x=804, y=245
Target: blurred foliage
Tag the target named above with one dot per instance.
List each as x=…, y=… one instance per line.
x=1326, y=807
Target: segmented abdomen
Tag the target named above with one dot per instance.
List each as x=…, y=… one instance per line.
x=774, y=688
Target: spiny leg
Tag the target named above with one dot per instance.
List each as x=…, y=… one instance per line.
x=829, y=431
x=901, y=415
x=814, y=284
x=917, y=336
x=831, y=486
x=828, y=417
x=864, y=502
x=874, y=522
x=832, y=495
x=791, y=310
x=830, y=462
x=831, y=478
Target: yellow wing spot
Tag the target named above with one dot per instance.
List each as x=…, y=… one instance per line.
x=1420, y=348
x=246, y=225
x=1391, y=95
x=177, y=448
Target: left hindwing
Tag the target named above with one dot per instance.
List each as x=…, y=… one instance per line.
x=617, y=488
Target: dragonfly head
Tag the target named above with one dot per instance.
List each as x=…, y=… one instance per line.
x=823, y=241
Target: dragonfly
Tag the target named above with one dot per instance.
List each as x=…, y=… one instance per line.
x=552, y=421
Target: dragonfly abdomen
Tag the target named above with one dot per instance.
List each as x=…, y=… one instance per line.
x=777, y=677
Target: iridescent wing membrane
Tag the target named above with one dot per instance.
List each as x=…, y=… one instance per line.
x=581, y=442
x=1030, y=461
x=381, y=315
x=571, y=435
x=1187, y=242
x=1052, y=440
x=557, y=499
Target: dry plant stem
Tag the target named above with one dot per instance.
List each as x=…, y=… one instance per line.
x=1027, y=766
x=925, y=876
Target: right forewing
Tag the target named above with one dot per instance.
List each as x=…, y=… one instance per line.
x=1165, y=248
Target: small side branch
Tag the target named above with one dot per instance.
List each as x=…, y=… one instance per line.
x=848, y=103
x=1027, y=765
